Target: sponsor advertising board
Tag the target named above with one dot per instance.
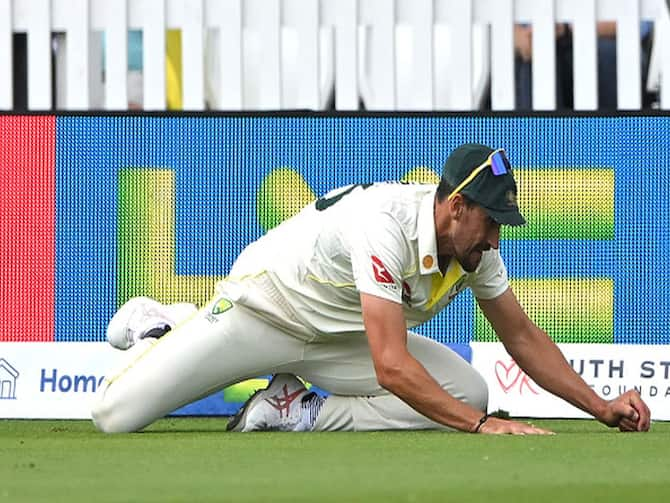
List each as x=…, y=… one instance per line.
x=610, y=369
x=58, y=380
x=51, y=380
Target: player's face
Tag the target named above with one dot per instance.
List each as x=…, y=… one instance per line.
x=473, y=233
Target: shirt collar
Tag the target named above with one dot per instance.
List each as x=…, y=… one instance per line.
x=428, y=263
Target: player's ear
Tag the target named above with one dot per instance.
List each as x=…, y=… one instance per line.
x=456, y=206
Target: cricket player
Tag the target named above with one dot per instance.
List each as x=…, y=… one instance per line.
x=330, y=295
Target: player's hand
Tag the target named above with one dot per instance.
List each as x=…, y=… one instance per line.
x=628, y=412
x=497, y=426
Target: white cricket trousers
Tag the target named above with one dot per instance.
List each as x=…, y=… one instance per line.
x=209, y=352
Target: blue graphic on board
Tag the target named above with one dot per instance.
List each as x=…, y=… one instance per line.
x=219, y=163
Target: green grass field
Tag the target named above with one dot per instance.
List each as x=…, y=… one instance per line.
x=195, y=460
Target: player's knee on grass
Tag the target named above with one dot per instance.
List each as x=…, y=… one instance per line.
x=102, y=416
x=114, y=409
x=470, y=388
x=466, y=384
x=112, y=416
x=477, y=392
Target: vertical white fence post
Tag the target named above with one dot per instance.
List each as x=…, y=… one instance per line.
x=263, y=19
x=193, y=70
x=423, y=57
x=663, y=24
x=6, y=84
x=544, y=55
x=628, y=70
x=460, y=19
x=584, y=41
x=226, y=19
x=346, y=54
x=153, y=16
x=77, y=60
x=502, y=55
x=116, y=55
x=379, y=60
x=306, y=14
x=39, y=54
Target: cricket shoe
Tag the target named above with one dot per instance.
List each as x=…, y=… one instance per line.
x=142, y=317
x=275, y=408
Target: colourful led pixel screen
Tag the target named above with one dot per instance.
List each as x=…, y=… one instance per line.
x=97, y=209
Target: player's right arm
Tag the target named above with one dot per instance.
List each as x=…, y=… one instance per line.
x=404, y=376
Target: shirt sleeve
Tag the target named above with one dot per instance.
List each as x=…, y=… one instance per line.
x=379, y=253
x=490, y=279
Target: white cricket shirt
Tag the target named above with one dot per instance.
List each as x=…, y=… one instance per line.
x=307, y=273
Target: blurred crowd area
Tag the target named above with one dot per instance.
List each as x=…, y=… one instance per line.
x=523, y=70
x=607, y=66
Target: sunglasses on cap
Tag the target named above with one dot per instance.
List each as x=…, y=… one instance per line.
x=498, y=162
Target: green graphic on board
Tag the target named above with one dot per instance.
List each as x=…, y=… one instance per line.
x=558, y=204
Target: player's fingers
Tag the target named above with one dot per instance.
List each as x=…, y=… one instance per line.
x=645, y=416
x=531, y=429
x=496, y=426
x=627, y=425
x=646, y=424
x=642, y=416
x=644, y=420
x=624, y=407
x=623, y=410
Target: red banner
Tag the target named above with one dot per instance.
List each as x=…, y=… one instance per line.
x=27, y=227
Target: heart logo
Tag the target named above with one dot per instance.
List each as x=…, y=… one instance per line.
x=507, y=375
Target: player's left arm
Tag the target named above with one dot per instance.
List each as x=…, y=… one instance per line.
x=540, y=358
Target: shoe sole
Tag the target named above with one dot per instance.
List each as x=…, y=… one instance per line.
x=241, y=416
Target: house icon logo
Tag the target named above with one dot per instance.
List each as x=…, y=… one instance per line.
x=8, y=375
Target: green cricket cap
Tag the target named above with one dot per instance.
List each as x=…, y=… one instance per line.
x=496, y=194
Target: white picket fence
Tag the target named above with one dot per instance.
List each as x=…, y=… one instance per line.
x=279, y=54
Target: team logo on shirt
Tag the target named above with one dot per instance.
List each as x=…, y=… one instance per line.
x=222, y=305
x=381, y=273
